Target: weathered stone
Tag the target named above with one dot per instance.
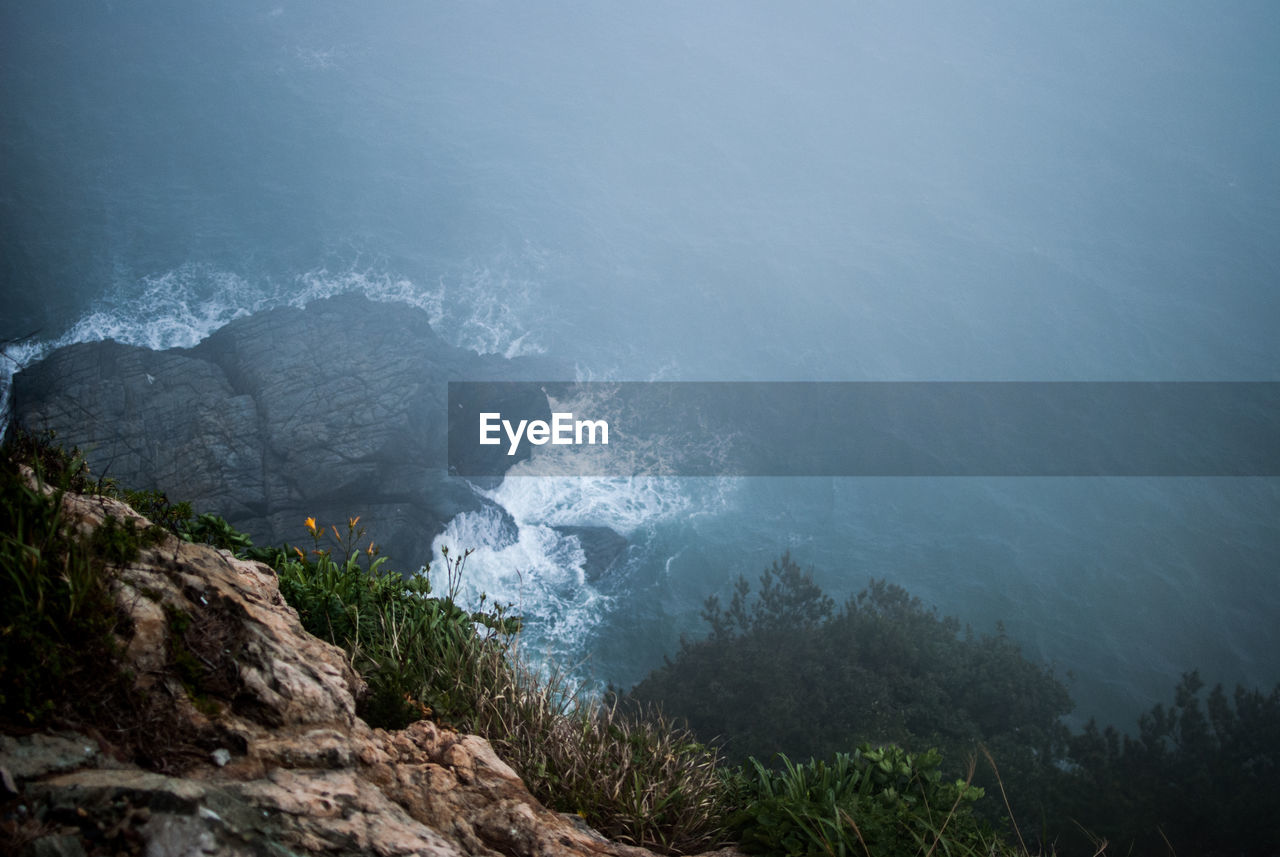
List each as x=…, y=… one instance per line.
x=304, y=775
x=28, y=756
x=332, y=411
x=58, y=845
x=601, y=545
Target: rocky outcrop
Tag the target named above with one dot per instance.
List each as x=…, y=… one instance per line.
x=601, y=545
x=335, y=410
x=265, y=756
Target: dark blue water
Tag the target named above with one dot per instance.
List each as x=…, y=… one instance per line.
x=869, y=191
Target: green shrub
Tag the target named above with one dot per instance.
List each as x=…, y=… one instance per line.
x=785, y=671
x=183, y=522
x=59, y=656
x=875, y=801
x=419, y=655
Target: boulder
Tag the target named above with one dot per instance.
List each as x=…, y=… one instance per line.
x=601, y=545
x=332, y=411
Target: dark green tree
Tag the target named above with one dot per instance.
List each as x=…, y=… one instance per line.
x=1201, y=776
x=784, y=671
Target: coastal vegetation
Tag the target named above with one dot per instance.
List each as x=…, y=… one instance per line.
x=785, y=673
x=795, y=727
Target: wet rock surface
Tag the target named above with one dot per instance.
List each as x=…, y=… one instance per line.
x=335, y=410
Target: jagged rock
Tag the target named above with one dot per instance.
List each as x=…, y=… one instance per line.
x=601, y=545
x=335, y=410
x=297, y=771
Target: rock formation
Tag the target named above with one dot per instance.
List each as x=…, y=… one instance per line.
x=335, y=410
x=269, y=757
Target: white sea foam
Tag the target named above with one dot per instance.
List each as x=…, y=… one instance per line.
x=539, y=572
x=541, y=569
x=480, y=309
x=176, y=309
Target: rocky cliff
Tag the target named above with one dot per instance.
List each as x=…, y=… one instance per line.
x=268, y=756
x=334, y=410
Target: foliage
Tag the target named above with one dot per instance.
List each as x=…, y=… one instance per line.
x=1200, y=777
x=789, y=601
x=154, y=505
x=67, y=471
x=636, y=779
x=417, y=653
x=59, y=659
x=786, y=672
x=179, y=519
x=880, y=801
x=633, y=775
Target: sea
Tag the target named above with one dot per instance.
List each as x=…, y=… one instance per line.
x=715, y=191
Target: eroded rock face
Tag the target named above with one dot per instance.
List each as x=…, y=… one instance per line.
x=274, y=759
x=335, y=410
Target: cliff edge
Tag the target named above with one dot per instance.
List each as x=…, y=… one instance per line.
x=265, y=754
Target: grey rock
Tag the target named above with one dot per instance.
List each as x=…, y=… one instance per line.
x=332, y=411
x=28, y=756
x=602, y=546
x=57, y=845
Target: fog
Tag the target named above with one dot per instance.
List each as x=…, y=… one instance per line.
x=721, y=191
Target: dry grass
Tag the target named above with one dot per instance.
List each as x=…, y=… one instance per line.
x=633, y=775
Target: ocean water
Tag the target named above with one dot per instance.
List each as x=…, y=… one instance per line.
x=715, y=191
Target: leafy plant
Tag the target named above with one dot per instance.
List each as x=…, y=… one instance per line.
x=155, y=506
x=179, y=519
x=880, y=801
x=410, y=648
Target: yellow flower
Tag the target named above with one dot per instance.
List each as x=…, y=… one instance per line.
x=311, y=525
x=369, y=550
x=351, y=522
x=301, y=555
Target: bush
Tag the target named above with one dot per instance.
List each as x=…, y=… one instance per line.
x=421, y=656
x=58, y=613
x=786, y=672
x=875, y=801
x=59, y=624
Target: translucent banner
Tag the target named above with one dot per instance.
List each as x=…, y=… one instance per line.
x=864, y=429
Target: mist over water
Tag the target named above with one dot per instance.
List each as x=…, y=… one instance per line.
x=716, y=191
